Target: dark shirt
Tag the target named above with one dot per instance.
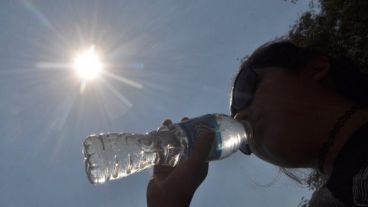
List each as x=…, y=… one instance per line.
x=349, y=179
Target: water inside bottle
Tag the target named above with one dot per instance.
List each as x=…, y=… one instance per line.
x=116, y=155
x=112, y=156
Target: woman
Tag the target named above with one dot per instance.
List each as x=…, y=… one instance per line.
x=307, y=111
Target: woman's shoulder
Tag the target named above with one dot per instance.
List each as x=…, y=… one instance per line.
x=349, y=179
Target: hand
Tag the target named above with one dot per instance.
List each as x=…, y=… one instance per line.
x=175, y=186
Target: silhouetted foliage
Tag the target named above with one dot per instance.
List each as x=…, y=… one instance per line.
x=336, y=27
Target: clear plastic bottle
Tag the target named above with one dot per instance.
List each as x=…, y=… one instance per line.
x=115, y=155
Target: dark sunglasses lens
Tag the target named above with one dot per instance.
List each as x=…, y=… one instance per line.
x=244, y=88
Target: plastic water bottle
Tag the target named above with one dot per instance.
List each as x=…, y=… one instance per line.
x=115, y=155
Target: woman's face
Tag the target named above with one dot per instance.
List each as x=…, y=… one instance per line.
x=283, y=114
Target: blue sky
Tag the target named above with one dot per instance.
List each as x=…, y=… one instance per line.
x=184, y=54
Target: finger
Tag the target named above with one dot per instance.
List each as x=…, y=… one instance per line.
x=161, y=171
x=184, y=119
x=195, y=168
x=167, y=122
x=202, y=148
x=197, y=164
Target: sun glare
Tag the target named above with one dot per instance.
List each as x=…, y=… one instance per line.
x=87, y=64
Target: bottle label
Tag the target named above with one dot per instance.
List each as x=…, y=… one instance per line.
x=194, y=128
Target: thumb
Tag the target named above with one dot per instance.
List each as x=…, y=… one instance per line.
x=202, y=148
x=160, y=172
x=190, y=174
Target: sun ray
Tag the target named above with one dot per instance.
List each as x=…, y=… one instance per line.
x=38, y=67
x=123, y=80
x=106, y=110
x=156, y=86
x=62, y=114
x=36, y=12
x=69, y=123
x=111, y=109
x=82, y=86
x=66, y=108
x=52, y=66
x=120, y=96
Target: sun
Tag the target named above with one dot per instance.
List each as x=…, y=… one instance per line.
x=88, y=64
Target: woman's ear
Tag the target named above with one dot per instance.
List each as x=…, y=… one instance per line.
x=320, y=68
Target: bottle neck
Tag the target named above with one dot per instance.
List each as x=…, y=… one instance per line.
x=245, y=148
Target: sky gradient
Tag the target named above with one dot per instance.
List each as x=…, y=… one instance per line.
x=184, y=54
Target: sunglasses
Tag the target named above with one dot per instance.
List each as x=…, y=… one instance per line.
x=243, y=90
x=242, y=95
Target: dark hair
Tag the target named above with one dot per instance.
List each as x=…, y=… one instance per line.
x=346, y=74
x=349, y=80
x=279, y=54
